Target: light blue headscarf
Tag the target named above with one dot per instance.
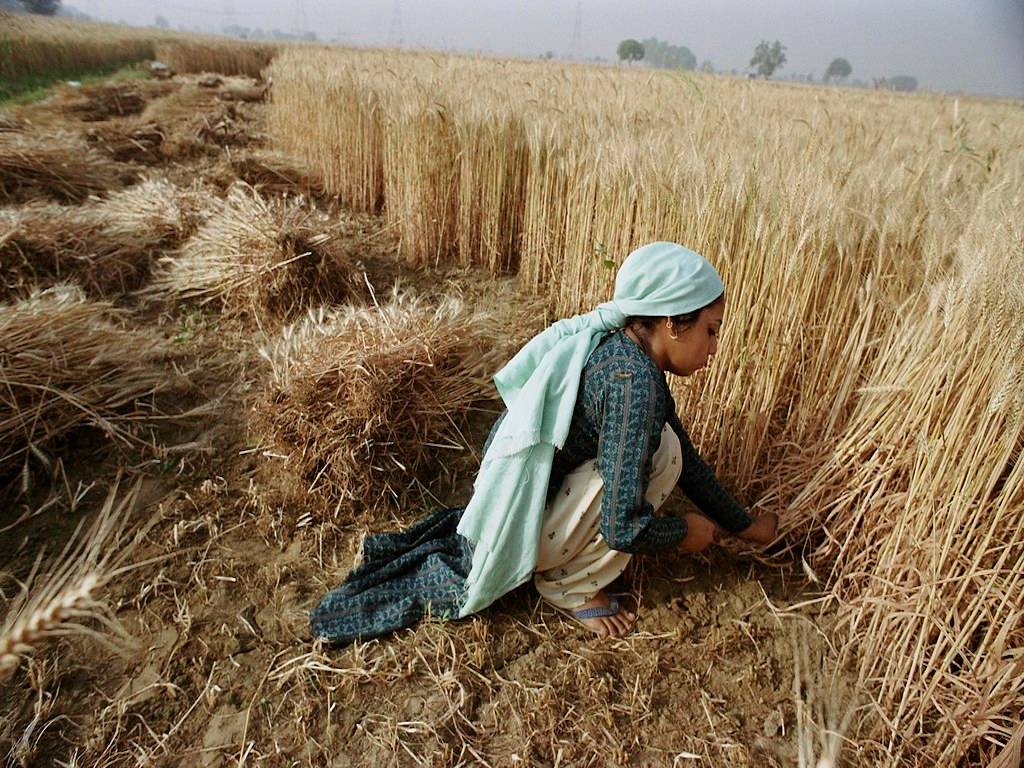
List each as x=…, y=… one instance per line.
x=539, y=385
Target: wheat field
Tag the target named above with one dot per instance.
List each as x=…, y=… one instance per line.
x=869, y=387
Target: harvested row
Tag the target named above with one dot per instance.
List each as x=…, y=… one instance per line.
x=60, y=166
x=264, y=259
x=107, y=246
x=35, y=47
x=103, y=101
x=67, y=361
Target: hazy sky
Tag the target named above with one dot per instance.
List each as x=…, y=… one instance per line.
x=970, y=45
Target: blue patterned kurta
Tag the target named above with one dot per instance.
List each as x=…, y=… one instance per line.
x=622, y=406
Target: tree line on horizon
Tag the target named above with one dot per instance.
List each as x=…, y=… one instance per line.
x=768, y=58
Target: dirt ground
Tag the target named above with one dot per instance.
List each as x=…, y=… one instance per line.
x=221, y=668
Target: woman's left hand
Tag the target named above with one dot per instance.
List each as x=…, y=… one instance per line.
x=762, y=530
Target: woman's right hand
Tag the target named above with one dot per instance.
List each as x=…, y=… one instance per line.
x=701, y=533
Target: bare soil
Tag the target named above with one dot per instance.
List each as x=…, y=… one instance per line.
x=222, y=669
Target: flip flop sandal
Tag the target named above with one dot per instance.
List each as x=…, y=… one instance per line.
x=599, y=611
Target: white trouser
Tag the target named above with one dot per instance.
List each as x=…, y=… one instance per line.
x=575, y=562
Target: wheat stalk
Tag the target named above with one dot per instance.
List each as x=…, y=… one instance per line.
x=69, y=600
x=884, y=425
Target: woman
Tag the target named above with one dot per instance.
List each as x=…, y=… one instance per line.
x=588, y=447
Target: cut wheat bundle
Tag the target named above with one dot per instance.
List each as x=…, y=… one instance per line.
x=41, y=245
x=106, y=246
x=156, y=209
x=102, y=101
x=66, y=361
x=267, y=259
x=70, y=600
x=195, y=123
x=128, y=141
x=59, y=166
x=363, y=401
x=268, y=172
x=10, y=124
x=224, y=126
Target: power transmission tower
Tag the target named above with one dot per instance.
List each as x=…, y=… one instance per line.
x=228, y=13
x=299, y=23
x=395, y=35
x=576, y=48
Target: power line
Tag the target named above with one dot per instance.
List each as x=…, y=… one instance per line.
x=299, y=24
x=395, y=37
x=193, y=9
x=576, y=47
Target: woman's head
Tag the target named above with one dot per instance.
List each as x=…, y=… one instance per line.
x=674, y=301
x=681, y=344
x=665, y=279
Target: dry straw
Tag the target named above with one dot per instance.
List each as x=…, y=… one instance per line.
x=69, y=600
x=195, y=123
x=67, y=362
x=106, y=247
x=128, y=141
x=365, y=400
x=266, y=259
x=269, y=173
x=61, y=167
x=104, y=101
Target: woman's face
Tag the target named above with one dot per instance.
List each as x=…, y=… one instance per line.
x=695, y=344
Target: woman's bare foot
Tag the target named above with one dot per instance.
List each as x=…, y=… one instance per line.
x=605, y=626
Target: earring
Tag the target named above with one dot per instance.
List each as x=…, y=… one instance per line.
x=668, y=324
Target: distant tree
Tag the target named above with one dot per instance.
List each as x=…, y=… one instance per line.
x=69, y=12
x=548, y=55
x=902, y=83
x=630, y=50
x=667, y=56
x=838, y=69
x=161, y=22
x=44, y=7
x=707, y=66
x=896, y=83
x=768, y=57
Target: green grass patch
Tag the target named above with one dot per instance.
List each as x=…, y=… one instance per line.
x=36, y=87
